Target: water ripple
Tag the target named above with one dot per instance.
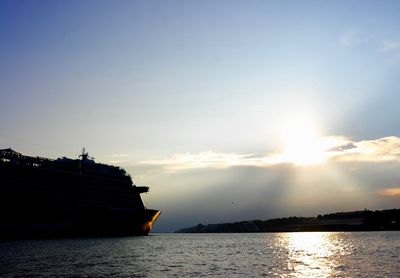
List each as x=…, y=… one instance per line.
x=372, y=254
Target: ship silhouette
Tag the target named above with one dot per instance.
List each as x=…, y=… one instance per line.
x=41, y=197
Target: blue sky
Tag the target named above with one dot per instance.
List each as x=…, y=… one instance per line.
x=154, y=85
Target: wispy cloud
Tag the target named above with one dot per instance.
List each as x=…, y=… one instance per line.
x=119, y=158
x=208, y=159
x=383, y=149
x=350, y=37
x=391, y=46
x=391, y=192
x=120, y=155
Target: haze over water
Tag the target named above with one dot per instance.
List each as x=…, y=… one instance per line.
x=316, y=254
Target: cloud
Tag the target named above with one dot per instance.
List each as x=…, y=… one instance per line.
x=119, y=158
x=391, y=192
x=214, y=187
x=353, y=37
x=120, y=155
x=209, y=195
x=350, y=38
x=379, y=150
x=392, y=46
x=208, y=159
x=343, y=147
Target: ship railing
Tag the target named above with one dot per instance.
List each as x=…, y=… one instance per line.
x=11, y=156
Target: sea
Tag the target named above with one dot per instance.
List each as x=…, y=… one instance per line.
x=309, y=254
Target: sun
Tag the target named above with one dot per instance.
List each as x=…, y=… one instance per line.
x=302, y=143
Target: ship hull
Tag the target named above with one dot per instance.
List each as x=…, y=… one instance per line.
x=86, y=224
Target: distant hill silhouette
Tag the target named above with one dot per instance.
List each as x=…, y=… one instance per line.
x=365, y=220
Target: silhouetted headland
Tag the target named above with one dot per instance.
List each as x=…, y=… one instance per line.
x=365, y=220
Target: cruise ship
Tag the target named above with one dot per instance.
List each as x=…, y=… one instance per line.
x=41, y=197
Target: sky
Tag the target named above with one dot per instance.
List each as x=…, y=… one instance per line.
x=227, y=110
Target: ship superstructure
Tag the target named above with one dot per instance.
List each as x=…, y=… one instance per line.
x=69, y=197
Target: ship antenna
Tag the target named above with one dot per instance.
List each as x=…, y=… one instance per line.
x=85, y=155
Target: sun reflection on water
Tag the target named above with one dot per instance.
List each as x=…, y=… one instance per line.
x=312, y=254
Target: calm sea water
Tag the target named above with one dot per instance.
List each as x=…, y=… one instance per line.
x=364, y=254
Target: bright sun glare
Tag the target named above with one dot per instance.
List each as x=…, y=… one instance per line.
x=303, y=145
